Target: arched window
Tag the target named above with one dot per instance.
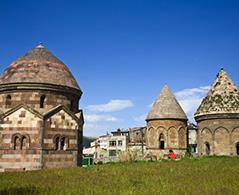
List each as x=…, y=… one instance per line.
x=57, y=143
x=42, y=100
x=8, y=101
x=17, y=143
x=237, y=148
x=63, y=142
x=24, y=143
x=161, y=142
x=72, y=105
x=207, y=148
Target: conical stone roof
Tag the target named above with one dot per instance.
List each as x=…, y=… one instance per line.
x=223, y=97
x=39, y=66
x=166, y=107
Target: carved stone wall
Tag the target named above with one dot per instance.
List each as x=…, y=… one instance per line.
x=172, y=132
x=61, y=125
x=222, y=135
x=33, y=99
x=20, y=135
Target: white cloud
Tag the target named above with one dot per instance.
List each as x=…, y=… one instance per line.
x=111, y=106
x=94, y=129
x=151, y=105
x=190, y=99
x=193, y=92
x=141, y=118
x=94, y=118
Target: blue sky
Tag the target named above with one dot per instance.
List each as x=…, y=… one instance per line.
x=122, y=52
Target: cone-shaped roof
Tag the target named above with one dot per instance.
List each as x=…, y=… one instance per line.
x=166, y=107
x=39, y=66
x=223, y=97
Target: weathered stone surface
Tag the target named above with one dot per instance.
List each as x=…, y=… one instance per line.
x=39, y=66
x=40, y=121
x=167, y=126
x=166, y=107
x=218, y=119
x=223, y=97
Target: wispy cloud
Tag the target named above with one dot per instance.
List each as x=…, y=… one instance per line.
x=140, y=118
x=95, y=129
x=94, y=118
x=111, y=106
x=190, y=99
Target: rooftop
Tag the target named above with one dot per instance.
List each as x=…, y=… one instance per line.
x=39, y=66
x=166, y=107
x=223, y=97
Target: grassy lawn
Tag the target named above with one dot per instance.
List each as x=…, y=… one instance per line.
x=214, y=175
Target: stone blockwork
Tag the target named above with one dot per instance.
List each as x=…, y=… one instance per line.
x=218, y=137
x=61, y=125
x=166, y=126
x=218, y=119
x=33, y=98
x=41, y=125
x=172, y=132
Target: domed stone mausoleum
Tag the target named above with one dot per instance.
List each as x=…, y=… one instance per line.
x=218, y=118
x=166, y=126
x=40, y=121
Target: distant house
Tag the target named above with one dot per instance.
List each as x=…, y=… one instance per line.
x=137, y=139
x=107, y=147
x=192, y=138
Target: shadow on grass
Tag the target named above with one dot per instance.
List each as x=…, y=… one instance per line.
x=20, y=190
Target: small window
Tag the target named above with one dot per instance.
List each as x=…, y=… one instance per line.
x=112, y=152
x=24, y=143
x=63, y=140
x=120, y=143
x=112, y=143
x=42, y=100
x=8, y=101
x=17, y=143
x=72, y=105
x=207, y=148
x=161, y=142
x=57, y=143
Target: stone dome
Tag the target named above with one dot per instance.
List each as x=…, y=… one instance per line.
x=39, y=66
x=166, y=107
x=222, y=98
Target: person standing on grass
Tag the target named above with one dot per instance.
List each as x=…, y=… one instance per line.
x=171, y=155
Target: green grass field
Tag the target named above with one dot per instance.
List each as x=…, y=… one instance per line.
x=214, y=175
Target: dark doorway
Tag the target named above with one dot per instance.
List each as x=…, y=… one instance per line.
x=237, y=148
x=161, y=142
x=207, y=147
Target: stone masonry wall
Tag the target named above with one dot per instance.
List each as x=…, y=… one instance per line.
x=19, y=126
x=174, y=133
x=222, y=135
x=32, y=98
x=60, y=125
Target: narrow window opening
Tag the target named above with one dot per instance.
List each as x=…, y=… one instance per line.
x=57, y=143
x=207, y=145
x=63, y=143
x=24, y=143
x=161, y=142
x=17, y=143
x=72, y=105
x=42, y=101
x=8, y=101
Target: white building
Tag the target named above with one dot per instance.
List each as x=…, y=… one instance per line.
x=107, y=147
